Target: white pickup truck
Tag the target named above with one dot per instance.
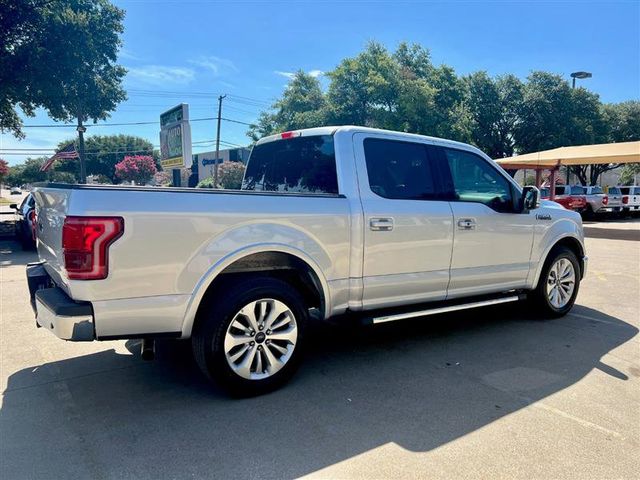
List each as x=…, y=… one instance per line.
x=334, y=220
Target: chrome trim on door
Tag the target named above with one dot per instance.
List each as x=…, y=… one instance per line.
x=381, y=224
x=466, y=224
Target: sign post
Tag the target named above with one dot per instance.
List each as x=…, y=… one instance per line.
x=175, y=140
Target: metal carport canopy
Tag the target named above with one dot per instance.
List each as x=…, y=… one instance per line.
x=624, y=152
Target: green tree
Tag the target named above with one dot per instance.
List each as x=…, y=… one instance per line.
x=59, y=55
x=302, y=106
x=103, y=152
x=364, y=90
x=544, y=113
x=416, y=97
x=29, y=171
x=623, y=121
x=629, y=173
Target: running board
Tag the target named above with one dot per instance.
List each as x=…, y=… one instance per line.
x=450, y=308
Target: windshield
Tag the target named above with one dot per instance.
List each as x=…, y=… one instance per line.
x=596, y=190
x=301, y=164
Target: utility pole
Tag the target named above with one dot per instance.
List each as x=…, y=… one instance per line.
x=81, y=129
x=215, y=166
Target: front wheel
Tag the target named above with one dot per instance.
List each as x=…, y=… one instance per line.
x=559, y=282
x=249, y=338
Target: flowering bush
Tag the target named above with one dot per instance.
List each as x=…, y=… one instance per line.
x=137, y=168
x=162, y=178
x=4, y=169
x=229, y=176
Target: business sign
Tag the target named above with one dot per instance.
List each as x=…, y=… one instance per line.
x=210, y=161
x=175, y=138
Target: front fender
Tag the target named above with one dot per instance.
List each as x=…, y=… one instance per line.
x=245, y=240
x=546, y=237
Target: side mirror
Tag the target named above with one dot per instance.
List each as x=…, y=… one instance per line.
x=14, y=206
x=530, y=198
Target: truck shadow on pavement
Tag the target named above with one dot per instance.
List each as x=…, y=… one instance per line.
x=419, y=383
x=613, y=233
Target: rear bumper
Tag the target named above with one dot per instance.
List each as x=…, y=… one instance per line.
x=56, y=311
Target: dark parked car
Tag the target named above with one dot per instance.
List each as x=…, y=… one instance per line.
x=26, y=214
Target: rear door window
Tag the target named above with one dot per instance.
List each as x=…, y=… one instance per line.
x=614, y=190
x=295, y=165
x=399, y=170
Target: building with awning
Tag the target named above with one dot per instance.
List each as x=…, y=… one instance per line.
x=552, y=160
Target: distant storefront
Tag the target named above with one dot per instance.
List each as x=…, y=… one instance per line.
x=203, y=163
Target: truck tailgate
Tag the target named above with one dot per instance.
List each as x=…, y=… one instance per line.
x=51, y=209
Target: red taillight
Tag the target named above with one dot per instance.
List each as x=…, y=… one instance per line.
x=605, y=200
x=85, y=243
x=289, y=134
x=33, y=219
x=625, y=199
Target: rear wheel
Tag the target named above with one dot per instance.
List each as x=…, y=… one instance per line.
x=249, y=338
x=558, y=284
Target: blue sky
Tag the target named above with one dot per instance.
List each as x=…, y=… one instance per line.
x=247, y=48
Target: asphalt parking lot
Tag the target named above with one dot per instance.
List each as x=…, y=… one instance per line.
x=492, y=393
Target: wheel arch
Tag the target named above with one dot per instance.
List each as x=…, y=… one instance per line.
x=276, y=260
x=569, y=241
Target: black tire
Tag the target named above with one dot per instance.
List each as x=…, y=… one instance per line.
x=539, y=296
x=214, y=319
x=589, y=213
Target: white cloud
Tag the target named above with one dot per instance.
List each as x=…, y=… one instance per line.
x=216, y=64
x=161, y=74
x=313, y=73
x=284, y=74
x=127, y=54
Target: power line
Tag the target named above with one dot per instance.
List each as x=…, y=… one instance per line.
x=54, y=149
x=172, y=93
x=72, y=125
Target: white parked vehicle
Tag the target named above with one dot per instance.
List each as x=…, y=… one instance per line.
x=597, y=200
x=615, y=199
x=380, y=224
x=630, y=198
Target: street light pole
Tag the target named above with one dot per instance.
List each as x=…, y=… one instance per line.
x=215, y=166
x=580, y=75
x=83, y=170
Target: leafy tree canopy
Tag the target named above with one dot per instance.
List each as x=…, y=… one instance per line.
x=503, y=116
x=59, y=55
x=103, y=152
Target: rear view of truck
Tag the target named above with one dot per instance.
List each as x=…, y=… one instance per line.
x=70, y=248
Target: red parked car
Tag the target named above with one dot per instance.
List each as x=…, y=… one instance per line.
x=571, y=197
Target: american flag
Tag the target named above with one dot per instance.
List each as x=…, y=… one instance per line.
x=69, y=151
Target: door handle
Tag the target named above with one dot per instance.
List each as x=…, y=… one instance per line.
x=466, y=224
x=381, y=224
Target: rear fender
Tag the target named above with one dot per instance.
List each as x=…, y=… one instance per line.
x=284, y=240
